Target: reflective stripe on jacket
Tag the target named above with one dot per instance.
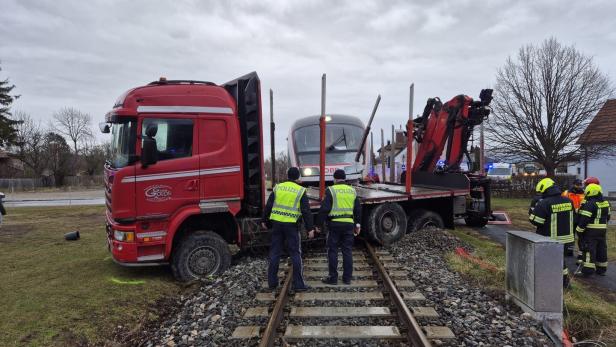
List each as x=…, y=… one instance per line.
x=286, y=207
x=553, y=216
x=343, y=201
x=593, y=215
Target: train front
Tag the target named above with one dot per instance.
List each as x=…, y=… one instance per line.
x=343, y=138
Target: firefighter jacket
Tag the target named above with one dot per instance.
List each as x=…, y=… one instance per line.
x=553, y=216
x=287, y=203
x=340, y=205
x=593, y=216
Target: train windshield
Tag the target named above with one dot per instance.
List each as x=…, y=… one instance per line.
x=341, y=143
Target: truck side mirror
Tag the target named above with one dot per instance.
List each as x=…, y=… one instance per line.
x=149, y=152
x=104, y=127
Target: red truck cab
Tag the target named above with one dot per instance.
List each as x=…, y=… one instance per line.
x=186, y=162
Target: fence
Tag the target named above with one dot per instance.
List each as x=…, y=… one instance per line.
x=25, y=184
x=524, y=186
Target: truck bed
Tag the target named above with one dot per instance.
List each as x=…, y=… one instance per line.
x=384, y=192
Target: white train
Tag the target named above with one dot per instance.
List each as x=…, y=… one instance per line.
x=343, y=138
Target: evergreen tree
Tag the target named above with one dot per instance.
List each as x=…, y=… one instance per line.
x=8, y=131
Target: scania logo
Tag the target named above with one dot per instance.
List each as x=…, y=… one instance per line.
x=158, y=193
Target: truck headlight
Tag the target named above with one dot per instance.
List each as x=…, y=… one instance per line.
x=124, y=236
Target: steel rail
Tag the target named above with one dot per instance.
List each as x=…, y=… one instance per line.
x=269, y=335
x=415, y=334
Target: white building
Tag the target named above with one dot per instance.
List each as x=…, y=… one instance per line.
x=601, y=133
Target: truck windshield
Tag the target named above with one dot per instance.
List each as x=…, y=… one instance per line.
x=123, y=139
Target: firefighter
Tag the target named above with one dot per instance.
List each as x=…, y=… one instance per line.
x=342, y=210
x=285, y=205
x=590, y=180
x=594, y=215
x=576, y=195
x=580, y=255
x=553, y=217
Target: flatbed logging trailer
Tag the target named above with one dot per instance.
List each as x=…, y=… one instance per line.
x=186, y=176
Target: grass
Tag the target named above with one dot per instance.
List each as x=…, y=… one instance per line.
x=60, y=293
x=518, y=212
x=588, y=313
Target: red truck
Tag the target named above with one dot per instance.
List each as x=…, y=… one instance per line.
x=185, y=180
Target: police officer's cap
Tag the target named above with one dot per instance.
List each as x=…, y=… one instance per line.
x=293, y=174
x=339, y=175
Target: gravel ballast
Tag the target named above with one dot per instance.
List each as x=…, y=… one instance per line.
x=478, y=318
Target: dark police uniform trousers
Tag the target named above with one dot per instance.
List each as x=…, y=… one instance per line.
x=290, y=233
x=340, y=236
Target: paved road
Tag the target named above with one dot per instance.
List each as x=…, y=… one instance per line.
x=498, y=233
x=60, y=198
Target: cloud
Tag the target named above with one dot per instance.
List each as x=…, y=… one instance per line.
x=84, y=54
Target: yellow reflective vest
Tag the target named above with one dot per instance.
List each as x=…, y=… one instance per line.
x=343, y=201
x=287, y=196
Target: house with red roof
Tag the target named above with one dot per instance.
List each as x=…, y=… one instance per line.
x=601, y=135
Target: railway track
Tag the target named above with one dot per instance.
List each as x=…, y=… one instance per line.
x=380, y=307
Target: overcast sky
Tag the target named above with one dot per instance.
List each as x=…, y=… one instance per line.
x=84, y=54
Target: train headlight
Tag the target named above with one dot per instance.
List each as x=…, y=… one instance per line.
x=310, y=171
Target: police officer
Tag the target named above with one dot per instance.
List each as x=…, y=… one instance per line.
x=285, y=205
x=553, y=217
x=591, y=228
x=342, y=210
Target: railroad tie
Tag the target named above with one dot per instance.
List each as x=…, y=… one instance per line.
x=341, y=332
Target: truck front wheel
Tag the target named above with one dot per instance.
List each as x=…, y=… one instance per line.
x=387, y=223
x=199, y=255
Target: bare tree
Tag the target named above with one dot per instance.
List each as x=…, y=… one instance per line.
x=282, y=165
x=58, y=154
x=29, y=142
x=93, y=156
x=74, y=124
x=543, y=101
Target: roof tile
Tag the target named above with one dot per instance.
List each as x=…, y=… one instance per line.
x=602, y=129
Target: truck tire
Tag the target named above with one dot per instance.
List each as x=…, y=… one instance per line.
x=199, y=255
x=422, y=219
x=387, y=223
x=476, y=222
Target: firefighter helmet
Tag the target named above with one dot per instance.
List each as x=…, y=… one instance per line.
x=593, y=190
x=590, y=180
x=544, y=184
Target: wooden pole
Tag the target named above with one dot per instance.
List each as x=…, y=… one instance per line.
x=585, y=162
